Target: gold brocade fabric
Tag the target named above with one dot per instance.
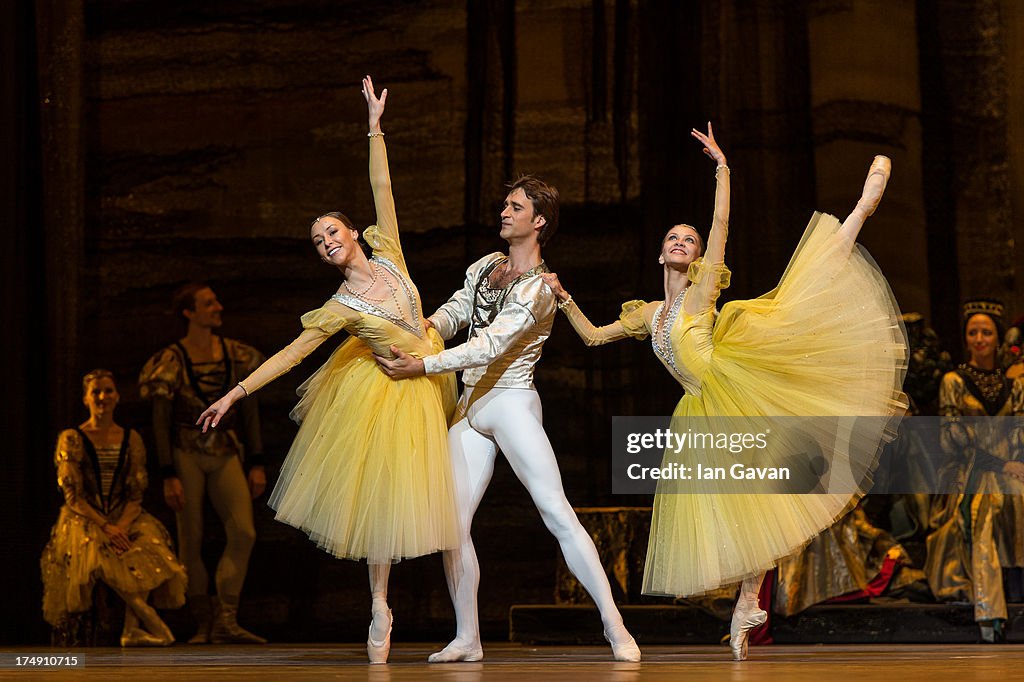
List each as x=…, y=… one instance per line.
x=167, y=375
x=976, y=535
x=844, y=558
x=79, y=552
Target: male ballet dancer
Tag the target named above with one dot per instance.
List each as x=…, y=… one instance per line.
x=182, y=380
x=509, y=311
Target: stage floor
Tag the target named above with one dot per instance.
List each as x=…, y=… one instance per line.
x=515, y=662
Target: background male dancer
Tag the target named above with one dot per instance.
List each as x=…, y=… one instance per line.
x=510, y=311
x=182, y=380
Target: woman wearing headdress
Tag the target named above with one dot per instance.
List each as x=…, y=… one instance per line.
x=103, y=533
x=980, y=528
x=827, y=342
x=368, y=475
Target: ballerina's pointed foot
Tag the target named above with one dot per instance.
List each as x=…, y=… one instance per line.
x=743, y=621
x=456, y=652
x=624, y=647
x=874, y=185
x=378, y=650
x=139, y=637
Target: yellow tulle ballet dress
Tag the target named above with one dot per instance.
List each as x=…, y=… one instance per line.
x=368, y=474
x=826, y=342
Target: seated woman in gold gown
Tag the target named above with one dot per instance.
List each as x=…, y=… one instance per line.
x=103, y=533
x=979, y=531
x=368, y=474
x=827, y=342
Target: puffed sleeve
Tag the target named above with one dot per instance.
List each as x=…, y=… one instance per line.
x=68, y=458
x=529, y=301
x=631, y=324
x=318, y=325
x=718, y=274
x=137, y=480
x=161, y=376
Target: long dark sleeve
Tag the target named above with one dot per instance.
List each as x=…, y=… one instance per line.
x=162, y=428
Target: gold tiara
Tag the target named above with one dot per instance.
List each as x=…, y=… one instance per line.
x=983, y=307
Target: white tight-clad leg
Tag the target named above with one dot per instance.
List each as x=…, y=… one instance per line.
x=515, y=421
x=511, y=419
x=472, y=456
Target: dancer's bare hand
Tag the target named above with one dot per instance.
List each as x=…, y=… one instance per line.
x=711, y=147
x=427, y=324
x=212, y=415
x=374, y=105
x=403, y=366
x=174, y=494
x=257, y=481
x=551, y=279
x=118, y=538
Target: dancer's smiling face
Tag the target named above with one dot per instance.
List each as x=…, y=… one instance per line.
x=982, y=337
x=101, y=397
x=206, y=309
x=681, y=246
x=335, y=242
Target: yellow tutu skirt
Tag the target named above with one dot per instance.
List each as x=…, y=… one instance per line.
x=79, y=553
x=827, y=342
x=368, y=475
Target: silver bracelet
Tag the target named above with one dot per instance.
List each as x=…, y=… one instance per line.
x=720, y=167
x=562, y=305
x=376, y=134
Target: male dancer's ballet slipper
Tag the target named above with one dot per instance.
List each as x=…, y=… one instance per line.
x=743, y=621
x=873, y=191
x=378, y=651
x=456, y=652
x=624, y=647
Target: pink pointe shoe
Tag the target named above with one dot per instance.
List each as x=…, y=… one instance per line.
x=743, y=621
x=378, y=651
x=875, y=187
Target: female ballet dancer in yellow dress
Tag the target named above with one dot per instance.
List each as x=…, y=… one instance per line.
x=368, y=475
x=826, y=342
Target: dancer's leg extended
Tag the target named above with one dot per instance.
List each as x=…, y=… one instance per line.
x=472, y=455
x=874, y=186
x=516, y=422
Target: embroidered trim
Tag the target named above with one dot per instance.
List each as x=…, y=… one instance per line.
x=370, y=309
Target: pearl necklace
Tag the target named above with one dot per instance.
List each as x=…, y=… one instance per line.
x=374, y=271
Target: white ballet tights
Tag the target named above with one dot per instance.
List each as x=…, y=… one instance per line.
x=509, y=419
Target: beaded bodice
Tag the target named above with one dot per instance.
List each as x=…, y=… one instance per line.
x=367, y=307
